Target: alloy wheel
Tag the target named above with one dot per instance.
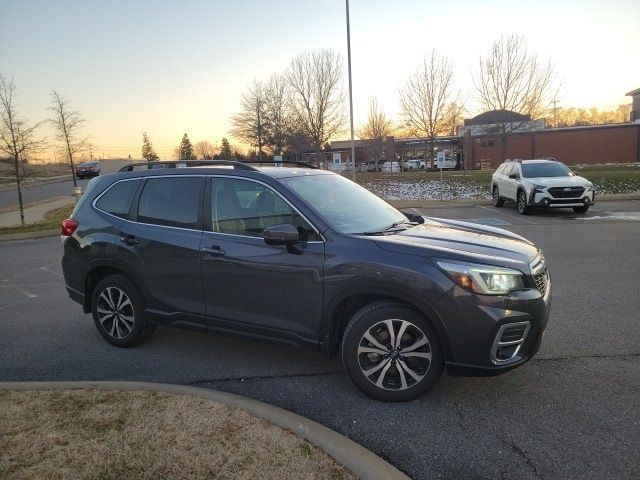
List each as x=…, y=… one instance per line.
x=115, y=312
x=394, y=354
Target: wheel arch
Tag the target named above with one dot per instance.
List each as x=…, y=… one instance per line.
x=344, y=306
x=98, y=271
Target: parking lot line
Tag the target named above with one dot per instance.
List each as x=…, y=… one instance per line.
x=508, y=215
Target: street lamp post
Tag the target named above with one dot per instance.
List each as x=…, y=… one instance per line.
x=353, y=145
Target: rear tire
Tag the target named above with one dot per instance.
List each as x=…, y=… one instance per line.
x=498, y=201
x=391, y=352
x=523, y=208
x=119, y=312
x=581, y=209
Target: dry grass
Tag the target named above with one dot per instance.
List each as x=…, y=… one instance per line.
x=41, y=170
x=93, y=434
x=52, y=220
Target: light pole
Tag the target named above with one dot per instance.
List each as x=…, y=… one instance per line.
x=353, y=145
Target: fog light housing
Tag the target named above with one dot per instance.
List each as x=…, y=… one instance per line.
x=586, y=200
x=546, y=202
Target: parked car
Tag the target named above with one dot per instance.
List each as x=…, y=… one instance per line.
x=391, y=167
x=414, y=164
x=305, y=257
x=88, y=170
x=541, y=184
x=374, y=166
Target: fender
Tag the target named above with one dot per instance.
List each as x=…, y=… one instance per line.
x=327, y=327
x=118, y=265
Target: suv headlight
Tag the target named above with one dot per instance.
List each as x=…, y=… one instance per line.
x=539, y=187
x=483, y=278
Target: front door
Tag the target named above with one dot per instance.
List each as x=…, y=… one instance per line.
x=252, y=286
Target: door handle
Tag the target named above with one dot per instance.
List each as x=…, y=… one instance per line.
x=214, y=251
x=130, y=240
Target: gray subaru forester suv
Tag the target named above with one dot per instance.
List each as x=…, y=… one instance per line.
x=306, y=257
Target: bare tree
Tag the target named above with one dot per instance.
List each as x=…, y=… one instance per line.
x=374, y=132
x=249, y=124
x=67, y=124
x=318, y=98
x=204, y=150
x=277, y=112
x=511, y=79
x=426, y=97
x=454, y=118
x=18, y=138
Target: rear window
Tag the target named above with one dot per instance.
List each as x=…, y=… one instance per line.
x=117, y=199
x=171, y=201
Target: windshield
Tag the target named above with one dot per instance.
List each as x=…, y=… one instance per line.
x=546, y=169
x=345, y=205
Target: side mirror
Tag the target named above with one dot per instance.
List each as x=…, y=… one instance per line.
x=283, y=234
x=514, y=176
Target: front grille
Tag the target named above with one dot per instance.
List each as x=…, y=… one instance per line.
x=542, y=281
x=565, y=192
x=508, y=341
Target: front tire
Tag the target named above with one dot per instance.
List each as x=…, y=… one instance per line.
x=119, y=312
x=391, y=352
x=581, y=209
x=498, y=201
x=523, y=208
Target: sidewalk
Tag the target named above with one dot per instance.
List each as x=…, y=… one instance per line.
x=34, y=213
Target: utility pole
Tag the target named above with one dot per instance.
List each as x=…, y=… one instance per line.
x=353, y=145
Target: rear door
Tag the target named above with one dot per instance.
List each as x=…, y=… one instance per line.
x=252, y=286
x=162, y=244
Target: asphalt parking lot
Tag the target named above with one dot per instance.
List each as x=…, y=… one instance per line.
x=572, y=412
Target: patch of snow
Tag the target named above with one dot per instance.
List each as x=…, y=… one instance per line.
x=428, y=190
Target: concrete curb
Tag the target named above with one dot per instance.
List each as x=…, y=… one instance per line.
x=457, y=203
x=348, y=453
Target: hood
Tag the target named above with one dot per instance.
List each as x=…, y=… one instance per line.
x=575, y=181
x=465, y=241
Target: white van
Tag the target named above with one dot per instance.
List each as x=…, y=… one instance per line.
x=448, y=163
x=391, y=167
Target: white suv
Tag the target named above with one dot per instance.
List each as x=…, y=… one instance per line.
x=540, y=183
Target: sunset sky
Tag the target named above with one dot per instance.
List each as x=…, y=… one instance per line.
x=170, y=67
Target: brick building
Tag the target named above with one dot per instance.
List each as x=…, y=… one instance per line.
x=589, y=145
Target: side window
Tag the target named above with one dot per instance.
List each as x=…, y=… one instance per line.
x=516, y=170
x=243, y=207
x=170, y=201
x=117, y=199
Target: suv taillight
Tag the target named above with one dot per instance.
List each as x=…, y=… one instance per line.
x=69, y=226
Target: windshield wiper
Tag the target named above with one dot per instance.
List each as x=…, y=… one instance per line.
x=391, y=228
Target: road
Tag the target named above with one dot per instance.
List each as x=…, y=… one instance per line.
x=45, y=190
x=572, y=412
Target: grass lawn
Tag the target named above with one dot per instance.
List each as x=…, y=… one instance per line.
x=92, y=434
x=52, y=220
x=475, y=184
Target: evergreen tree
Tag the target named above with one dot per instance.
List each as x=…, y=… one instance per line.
x=148, y=153
x=185, y=149
x=225, y=151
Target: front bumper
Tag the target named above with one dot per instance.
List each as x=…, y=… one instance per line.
x=543, y=199
x=490, y=335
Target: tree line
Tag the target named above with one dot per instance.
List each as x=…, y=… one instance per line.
x=303, y=107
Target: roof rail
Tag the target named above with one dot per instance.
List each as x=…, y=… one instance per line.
x=285, y=162
x=188, y=163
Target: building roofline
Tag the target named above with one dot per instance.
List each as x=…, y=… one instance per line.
x=633, y=93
